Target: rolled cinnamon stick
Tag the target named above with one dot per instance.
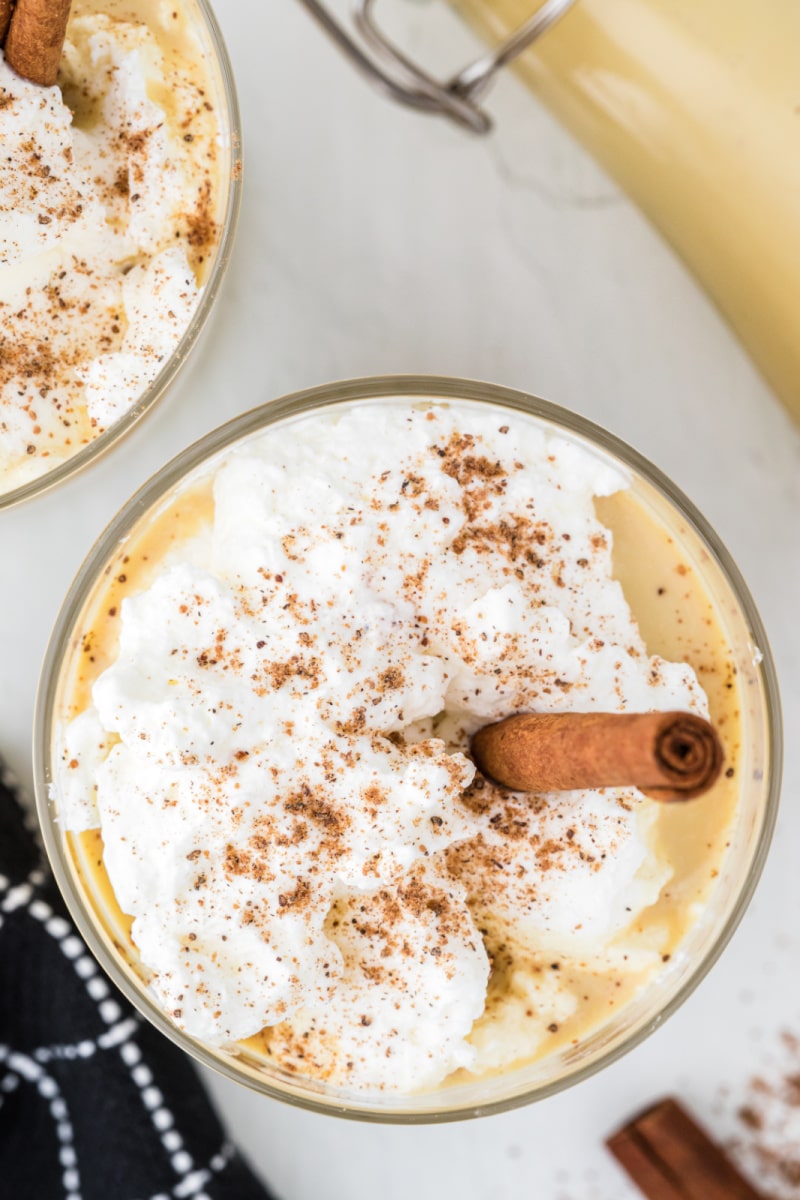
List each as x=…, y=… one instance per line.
x=669, y=756
x=6, y=8
x=669, y=1157
x=35, y=39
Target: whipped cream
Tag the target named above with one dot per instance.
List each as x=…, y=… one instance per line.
x=107, y=207
x=277, y=756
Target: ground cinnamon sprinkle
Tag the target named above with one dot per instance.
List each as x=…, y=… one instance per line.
x=36, y=363
x=515, y=539
x=354, y=725
x=201, y=225
x=480, y=477
x=296, y=667
x=766, y=1120
x=297, y=898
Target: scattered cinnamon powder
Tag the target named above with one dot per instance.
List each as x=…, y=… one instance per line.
x=202, y=229
x=766, y=1141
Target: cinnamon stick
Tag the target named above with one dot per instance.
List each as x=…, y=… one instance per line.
x=669, y=1157
x=6, y=8
x=35, y=39
x=669, y=756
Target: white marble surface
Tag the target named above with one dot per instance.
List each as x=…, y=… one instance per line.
x=374, y=240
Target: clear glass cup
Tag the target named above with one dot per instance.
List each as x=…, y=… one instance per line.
x=759, y=773
x=204, y=26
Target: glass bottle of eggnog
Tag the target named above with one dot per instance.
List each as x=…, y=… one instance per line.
x=693, y=106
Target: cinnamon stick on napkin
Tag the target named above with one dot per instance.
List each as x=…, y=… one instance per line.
x=34, y=33
x=669, y=1157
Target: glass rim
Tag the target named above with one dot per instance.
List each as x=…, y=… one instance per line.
x=232, y=169
x=213, y=443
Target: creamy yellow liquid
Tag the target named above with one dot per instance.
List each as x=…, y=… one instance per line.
x=692, y=106
x=678, y=620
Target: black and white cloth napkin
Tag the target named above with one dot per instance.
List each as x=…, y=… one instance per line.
x=95, y=1104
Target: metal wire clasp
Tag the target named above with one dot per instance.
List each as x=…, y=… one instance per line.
x=389, y=70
